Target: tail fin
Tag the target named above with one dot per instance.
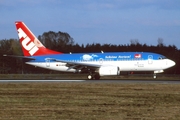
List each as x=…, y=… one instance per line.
x=31, y=46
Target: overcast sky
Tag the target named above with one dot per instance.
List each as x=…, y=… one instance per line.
x=96, y=21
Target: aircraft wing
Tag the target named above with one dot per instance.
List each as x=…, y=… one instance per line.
x=79, y=66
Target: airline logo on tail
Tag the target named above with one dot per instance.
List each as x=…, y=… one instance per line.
x=27, y=43
x=31, y=46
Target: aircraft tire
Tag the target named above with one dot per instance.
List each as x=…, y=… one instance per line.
x=96, y=76
x=90, y=77
x=154, y=76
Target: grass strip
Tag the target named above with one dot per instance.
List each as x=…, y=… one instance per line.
x=90, y=101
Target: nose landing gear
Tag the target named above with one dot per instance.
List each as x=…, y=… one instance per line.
x=154, y=76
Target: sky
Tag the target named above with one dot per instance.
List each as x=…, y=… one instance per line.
x=96, y=21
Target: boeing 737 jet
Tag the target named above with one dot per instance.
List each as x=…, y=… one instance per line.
x=95, y=64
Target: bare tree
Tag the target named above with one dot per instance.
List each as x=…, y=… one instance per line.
x=134, y=41
x=160, y=42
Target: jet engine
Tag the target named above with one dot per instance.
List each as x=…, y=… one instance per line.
x=109, y=70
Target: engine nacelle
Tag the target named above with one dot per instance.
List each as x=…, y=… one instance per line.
x=109, y=70
x=158, y=71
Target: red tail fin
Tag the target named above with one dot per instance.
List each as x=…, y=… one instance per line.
x=31, y=46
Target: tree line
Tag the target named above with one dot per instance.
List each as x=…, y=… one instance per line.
x=63, y=42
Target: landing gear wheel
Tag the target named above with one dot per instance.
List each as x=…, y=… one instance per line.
x=97, y=76
x=89, y=77
x=154, y=76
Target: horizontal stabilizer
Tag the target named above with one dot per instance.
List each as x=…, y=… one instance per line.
x=22, y=57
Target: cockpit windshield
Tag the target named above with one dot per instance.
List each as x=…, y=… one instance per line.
x=162, y=57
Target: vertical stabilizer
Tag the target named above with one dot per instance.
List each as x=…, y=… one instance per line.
x=31, y=46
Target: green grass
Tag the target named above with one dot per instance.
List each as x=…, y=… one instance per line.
x=89, y=101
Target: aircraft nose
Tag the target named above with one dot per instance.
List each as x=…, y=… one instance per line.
x=171, y=63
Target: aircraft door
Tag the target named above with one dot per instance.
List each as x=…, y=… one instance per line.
x=47, y=62
x=150, y=59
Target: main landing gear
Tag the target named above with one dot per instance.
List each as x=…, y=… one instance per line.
x=93, y=76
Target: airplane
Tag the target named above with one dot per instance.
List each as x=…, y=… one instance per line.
x=94, y=64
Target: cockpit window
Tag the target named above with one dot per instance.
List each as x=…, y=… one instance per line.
x=162, y=57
